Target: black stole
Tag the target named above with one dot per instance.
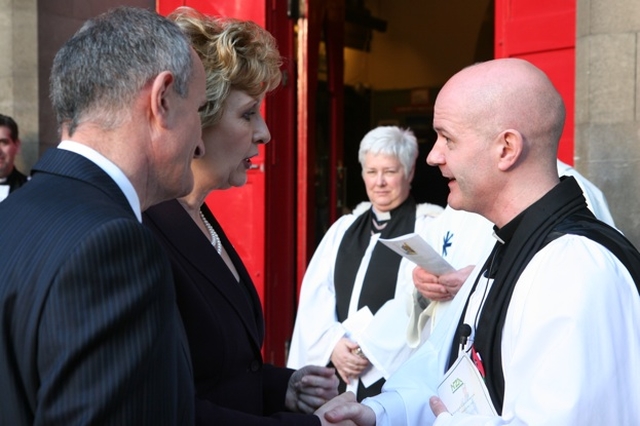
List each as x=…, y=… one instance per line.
x=380, y=279
x=563, y=210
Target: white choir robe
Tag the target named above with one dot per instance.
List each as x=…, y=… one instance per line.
x=462, y=239
x=382, y=336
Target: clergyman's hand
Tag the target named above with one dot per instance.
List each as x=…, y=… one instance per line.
x=437, y=406
x=454, y=280
x=440, y=288
x=428, y=286
x=345, y=410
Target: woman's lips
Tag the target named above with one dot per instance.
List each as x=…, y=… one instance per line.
x=247, y=162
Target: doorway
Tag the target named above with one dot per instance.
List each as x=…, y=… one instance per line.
x=397, y=55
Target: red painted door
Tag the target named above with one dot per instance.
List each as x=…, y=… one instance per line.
x=544, y=33
x=246, y=9
x=321, y=21
x=259, y=217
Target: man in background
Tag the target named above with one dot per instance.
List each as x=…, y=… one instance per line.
x=10, y=177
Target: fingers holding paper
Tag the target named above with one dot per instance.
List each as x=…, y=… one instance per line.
x=437, y=406
x=440, y=288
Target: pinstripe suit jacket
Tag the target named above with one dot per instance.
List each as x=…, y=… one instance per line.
x=225, y=326
x=89, y=330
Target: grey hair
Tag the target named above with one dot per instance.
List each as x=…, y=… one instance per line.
x=391, y=140
x=97, y=74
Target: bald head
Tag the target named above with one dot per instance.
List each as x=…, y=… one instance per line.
x=498, y=124
x=510, y=94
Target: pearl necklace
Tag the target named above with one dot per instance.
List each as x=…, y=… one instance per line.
x=215, y=240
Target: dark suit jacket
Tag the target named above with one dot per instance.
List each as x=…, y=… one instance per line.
x=225, y=327
x=89, y=330
x=15, y=180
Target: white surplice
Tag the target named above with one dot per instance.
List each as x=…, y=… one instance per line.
x=381, y=336
x=570, y=347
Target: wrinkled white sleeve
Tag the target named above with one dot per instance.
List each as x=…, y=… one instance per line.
x=470, y=243
x=404, y=400
x=317, y=330
x=383, y=341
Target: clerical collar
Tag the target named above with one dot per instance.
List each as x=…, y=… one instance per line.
x=505, y=233
x=3, y=180
x=381, y=216
x=503, y=236
x=379, y=221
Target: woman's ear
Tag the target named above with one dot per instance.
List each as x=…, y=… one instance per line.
x=511, y=147
x=411, y=174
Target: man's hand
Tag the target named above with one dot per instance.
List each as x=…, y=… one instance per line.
x=427, y=284
x=349, y=364
x=345, y=410
x=310, y=387
x=440, y=288
x=437, y=406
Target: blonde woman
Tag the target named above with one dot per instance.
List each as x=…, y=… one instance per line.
x=218, y=302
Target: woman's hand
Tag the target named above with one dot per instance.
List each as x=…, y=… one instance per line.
x=310, y=387
x=347, y=361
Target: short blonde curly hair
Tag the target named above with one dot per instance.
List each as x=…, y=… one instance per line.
x=236, y=54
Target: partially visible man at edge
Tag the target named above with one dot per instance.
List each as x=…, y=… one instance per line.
x=554, y=311
x=90, y=329
x=10, y=177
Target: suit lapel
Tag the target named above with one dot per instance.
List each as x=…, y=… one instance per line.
x=182, y=233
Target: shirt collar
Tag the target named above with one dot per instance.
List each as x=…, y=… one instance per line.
x=109, y=168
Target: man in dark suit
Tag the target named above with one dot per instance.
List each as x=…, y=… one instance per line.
x=10, y=177
x=90, y=332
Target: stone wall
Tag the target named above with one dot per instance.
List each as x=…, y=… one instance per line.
x=19, y=74
x=59, y=20
x=607, y=146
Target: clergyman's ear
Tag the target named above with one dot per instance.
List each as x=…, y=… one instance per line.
x=511, y=146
